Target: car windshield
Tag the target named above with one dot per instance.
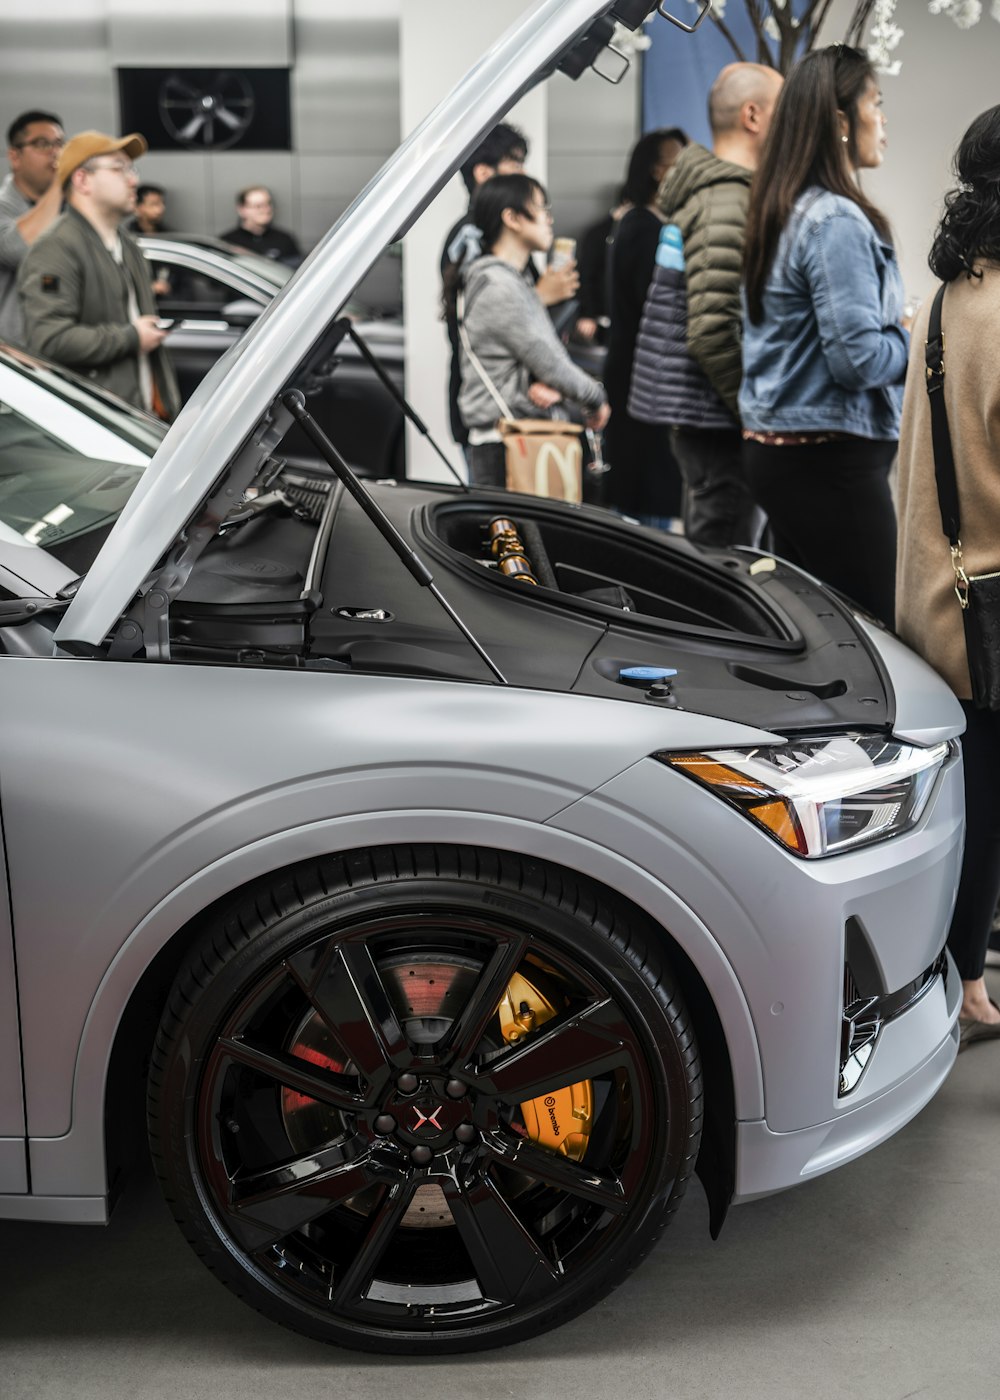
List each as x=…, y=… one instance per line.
x=70, y=457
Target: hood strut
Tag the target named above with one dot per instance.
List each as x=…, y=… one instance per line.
x=295, y=402
x=410, y=412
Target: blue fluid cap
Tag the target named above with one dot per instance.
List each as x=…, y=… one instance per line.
x=646, y=675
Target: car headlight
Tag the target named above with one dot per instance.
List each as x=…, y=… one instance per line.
x=820, y=796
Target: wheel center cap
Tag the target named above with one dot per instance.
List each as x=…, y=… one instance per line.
x=429, y=1118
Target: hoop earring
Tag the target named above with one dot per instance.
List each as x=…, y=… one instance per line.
x=844, y=139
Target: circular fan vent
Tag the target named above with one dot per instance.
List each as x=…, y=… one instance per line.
x=209, y=113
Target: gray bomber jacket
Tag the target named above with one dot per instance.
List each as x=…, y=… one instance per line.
x=74, y=297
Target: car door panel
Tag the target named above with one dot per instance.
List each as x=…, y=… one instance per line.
x=13, y=1168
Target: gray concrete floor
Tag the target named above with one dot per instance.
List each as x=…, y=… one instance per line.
x=877, y=1280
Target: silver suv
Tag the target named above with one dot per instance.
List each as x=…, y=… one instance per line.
x=450, y=873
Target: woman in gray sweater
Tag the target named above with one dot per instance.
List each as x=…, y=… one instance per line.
x=508, y=328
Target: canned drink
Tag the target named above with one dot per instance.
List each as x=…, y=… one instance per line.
x=563, y=252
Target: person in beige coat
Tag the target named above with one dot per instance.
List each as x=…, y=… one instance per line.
x=966, y=256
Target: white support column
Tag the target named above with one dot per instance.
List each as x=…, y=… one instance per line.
x=439, y=42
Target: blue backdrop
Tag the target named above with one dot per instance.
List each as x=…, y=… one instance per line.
x=679, y=68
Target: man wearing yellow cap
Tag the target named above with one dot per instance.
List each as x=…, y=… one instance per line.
x=84, y=287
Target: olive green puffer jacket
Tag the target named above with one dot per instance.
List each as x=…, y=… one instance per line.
x=707, y=199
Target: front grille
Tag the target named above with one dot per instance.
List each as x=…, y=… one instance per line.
x=865, y=1015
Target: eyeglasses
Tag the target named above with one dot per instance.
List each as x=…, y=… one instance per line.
x=120, y=167
x=42, y=143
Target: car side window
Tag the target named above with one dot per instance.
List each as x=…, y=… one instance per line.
x=190, y=292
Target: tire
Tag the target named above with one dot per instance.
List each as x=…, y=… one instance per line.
x=424, y=1099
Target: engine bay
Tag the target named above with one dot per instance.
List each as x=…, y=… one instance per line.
x=561, y=598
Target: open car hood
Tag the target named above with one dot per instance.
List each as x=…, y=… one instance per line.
x=225, y=409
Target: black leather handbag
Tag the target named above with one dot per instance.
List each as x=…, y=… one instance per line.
x=978, y=594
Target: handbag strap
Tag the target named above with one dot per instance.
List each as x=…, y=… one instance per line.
x=944, y=460
x=475, y=361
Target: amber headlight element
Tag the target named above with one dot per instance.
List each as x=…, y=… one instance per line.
x=819, y=797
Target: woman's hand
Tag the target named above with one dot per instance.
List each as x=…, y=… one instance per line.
x=542, y=396
x=586, y=328
x=598, y=420
x=558, y=284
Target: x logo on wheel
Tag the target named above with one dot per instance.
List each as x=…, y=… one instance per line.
x=423, y=1118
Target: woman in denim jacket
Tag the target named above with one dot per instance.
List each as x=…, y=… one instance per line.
x=825, y=344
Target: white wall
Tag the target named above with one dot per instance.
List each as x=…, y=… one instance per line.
x=949, y=75
x=435, y=53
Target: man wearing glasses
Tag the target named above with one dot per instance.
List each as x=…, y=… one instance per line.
x=84, y=285
x=30, y=198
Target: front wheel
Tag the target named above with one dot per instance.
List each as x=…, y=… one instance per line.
x=425, y=1099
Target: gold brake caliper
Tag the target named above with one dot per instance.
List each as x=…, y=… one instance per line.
x=560, y=1121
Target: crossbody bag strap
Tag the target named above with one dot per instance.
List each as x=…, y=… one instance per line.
x=475, y=361
x=944, y=460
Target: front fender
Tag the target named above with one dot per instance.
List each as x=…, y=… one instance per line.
x=74, y=1162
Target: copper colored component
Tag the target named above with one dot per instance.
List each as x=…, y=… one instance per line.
x=508, y=550
x=498, y=527
x=516, y=566
x=506, y=544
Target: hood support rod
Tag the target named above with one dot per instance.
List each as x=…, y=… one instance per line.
x=409, y=411
x=295, y=402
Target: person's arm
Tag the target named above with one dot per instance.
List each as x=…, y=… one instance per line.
x=50, y=286
x=713, y=259
x=860, y=351
x=41, y=215
x=17, y=235
x=529, y=338
x=12, y=245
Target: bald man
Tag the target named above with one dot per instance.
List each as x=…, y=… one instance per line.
x=688, y=362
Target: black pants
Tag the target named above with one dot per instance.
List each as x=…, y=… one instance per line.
x=979, y=886
x=718, y=508
x=830, y=511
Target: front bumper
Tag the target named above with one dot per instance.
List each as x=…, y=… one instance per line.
x=767, y=1161
x=783, y=926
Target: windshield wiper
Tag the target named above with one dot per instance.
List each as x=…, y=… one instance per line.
x=260, y=505
x=295, y=402
x=14, y=612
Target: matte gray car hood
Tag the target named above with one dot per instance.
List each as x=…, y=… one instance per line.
x=228, y=403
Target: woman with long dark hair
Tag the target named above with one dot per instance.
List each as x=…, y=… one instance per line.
x=966, y=257
x=508, y=328
x=644, y=480
x=825, y=344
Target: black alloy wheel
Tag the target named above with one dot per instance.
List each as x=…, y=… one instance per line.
x=424, y=1099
